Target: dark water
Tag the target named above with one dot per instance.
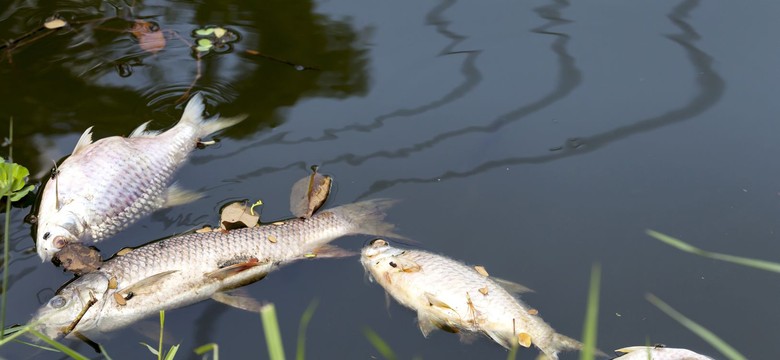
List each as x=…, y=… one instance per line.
x=536, y=138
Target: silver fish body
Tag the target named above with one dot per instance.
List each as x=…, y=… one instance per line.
x=658, y=353
x=454, y=297
x=186, y=269
x=105, y=186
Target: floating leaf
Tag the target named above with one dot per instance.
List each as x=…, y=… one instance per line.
x=13, y=178
x=220, y=32
x=237, y=215
x=78, y=259
x=54, y=22
x=204, y=32
x=309, y=194
x=150, y=37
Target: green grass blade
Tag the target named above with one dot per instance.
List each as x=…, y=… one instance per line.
x=57, y=345
x=512, y=352
x=300, y=353
x=590, y=329
x=36, y=345
x=162, y=328
x=379, y=344
x=172, y=352
x=19, y=331
x=208, y=347
x=273, y=336
x=151, y=348
x=754, y=263
x=6, y=233
x=104, y=352
x=702, y=332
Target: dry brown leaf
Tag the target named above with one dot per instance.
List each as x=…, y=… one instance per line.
x=150, y=37
x=204, y=229
x=309, y=194
x=77, y=258
x=484, y=290
x=112, y=283
x=236, y=215
x=120, y=299
x=481, y=270
x=124, y=251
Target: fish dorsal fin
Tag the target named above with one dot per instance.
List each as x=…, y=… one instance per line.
x=511, y=286
x=230, y=270
x=144, y=286
x=238, y=300
x=84, y=141
x=434, y=301
x=141, y=130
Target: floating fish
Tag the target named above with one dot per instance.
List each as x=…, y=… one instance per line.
x=105, y=186
x=457, y=298
x=658, y=353
x=186, y=269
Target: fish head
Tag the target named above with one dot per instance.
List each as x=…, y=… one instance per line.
x=74, y=307
x=379, y=257
x=54, y=232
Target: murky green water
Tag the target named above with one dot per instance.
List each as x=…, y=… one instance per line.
x=535, y=138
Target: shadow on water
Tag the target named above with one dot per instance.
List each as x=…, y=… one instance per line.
x=710, y=88
x=95, y=73
x=471, y=78
x=569, y=77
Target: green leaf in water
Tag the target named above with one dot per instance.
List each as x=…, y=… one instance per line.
x=754, y=263
x=379, y=344
x=702, y=332
x=204, y=32
x=200, y=350
x=13, y=178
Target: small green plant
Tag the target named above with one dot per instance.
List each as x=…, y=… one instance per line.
x=13, y=179
x=213, y=347
x=273, y=336
x=379, y=344
x=590, y=329
x=161, y=355
x=697, y=329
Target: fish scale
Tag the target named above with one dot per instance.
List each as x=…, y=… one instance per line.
x=188, y=268
x=105, y=186
x=450, y=295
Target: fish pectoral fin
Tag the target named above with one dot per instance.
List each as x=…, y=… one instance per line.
x=238, y=300
x=330, y=251
x=228, y=271
x=512, y=287
x=145, y=286
x=428, y=323
x=434, y=301
x=175, y=196
x=84, y=141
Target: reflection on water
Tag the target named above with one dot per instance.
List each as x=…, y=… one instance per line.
x=709, y=85
x=100, y=59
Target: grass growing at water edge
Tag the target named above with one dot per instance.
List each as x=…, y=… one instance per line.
x=590, y=328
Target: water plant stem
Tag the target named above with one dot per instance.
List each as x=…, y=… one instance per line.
x=6, y=231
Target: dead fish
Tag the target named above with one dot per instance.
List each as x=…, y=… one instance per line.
x=658, y=353
x=186, y=269
x=454, y=297
x=105, y=186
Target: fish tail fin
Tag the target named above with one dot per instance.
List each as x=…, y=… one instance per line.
x=193, y=116
x=367, y=217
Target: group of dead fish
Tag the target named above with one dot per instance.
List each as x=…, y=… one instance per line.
x=106, y=185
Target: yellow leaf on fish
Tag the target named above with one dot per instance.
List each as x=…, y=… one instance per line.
x=112, y=283
x=524, y=339
x=481, y=270
x=484, y=290
x=272, y=238
x=119, y=299
x=533, y=312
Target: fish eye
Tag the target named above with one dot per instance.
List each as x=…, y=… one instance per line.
x=46, y=235
x=57, y=302
x=378, y=242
